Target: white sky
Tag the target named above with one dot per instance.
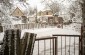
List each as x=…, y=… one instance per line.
x=35, y=3
x=40, y=6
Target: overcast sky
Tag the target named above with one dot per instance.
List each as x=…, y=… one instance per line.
x=40, y=6
x=35, y=3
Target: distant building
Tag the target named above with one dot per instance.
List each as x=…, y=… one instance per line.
x=46, y=12
x=48, y=17
x=17, y=13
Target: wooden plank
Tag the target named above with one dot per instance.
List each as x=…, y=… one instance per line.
x=24, y=43
x=16, y=34
x=30, y=44
x=27, y=43
x=10, y=42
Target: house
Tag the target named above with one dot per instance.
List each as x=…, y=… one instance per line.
x=20, y=10
x=58, y=20
x=49, y=17
x=17, y=13
x=45, y=16
x=45, y=12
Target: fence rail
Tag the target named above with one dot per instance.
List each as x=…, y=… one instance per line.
x=44, y=48
x=58, y=45
x=69, y=44
x=27, y=26
x=55, y=45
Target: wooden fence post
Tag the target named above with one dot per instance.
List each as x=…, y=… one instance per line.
x=28, y=43
x=17, y=35
x=24, y=43
x=11, y=42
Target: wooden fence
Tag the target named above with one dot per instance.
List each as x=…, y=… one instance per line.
x=13, y=45
x=27, y=26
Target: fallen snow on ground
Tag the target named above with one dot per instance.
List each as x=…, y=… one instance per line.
x=49, y=31
x=43, y=32
x=74, y=26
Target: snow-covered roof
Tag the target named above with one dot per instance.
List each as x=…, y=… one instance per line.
x=24, y=7
x=18, y=12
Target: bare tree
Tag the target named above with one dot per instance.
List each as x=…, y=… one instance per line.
x=83, y=28
x=75, y=9
x=52, y=5
x=5, y=9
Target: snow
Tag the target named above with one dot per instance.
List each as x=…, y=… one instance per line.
x=43, y=32
x=1, y=36
x=16, y=22
x=74, y=26
x=49, y=31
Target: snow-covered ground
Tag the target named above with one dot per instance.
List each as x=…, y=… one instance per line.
x=47, y=47
x=43, y=32
x=49, y=31
x=74, y=26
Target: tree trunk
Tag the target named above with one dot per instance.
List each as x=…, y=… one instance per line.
x=83, y=28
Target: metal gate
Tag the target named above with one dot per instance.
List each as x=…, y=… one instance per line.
x=58, y=45
x=69, y=44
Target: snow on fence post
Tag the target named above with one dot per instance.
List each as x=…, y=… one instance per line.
x=27, y=43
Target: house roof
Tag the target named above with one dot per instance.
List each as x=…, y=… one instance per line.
x=17, y=12
x=24, y=7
